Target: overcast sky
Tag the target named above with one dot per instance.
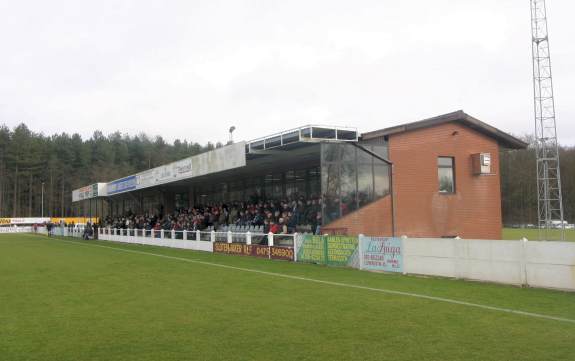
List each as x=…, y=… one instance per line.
x=190, y=69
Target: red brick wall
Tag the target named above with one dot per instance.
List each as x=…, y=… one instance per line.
x=372, y=220
x=474, y=211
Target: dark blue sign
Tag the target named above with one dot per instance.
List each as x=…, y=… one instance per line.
x=122, y=185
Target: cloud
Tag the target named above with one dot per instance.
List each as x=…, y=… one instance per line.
x=190, y=69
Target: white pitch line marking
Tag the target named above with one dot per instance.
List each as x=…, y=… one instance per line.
x=331, y=283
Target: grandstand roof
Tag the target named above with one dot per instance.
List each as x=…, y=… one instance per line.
x=295, y=146
x=504, y=139
x=307, y=134
x=263, y=154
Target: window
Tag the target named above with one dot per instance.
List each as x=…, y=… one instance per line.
x=446, y=174
x=350, y=179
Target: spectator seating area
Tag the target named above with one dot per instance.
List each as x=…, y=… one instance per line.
x=281, y=217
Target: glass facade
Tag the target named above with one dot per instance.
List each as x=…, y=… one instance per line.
x=351, y=178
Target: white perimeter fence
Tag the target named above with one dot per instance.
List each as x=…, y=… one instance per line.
x=15, y=229
x=196, y=240
x=57, y=231
x=526, y=263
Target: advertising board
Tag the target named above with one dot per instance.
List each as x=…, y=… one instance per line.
x=381, y=254
x=254, y=250
x=122, y=185
x=74, y=220
x=87, y=192
x=21, y=221
x=217, y=160
x=332, y=250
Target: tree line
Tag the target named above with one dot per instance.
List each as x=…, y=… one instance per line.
x=63, y=162
x=519, y=184
x=60, y=163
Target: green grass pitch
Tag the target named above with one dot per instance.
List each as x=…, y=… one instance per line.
x=533, y=234
x=72, y=300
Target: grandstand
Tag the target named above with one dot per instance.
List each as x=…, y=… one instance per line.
x=433, y=178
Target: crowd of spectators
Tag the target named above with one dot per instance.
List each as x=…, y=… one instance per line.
x=281, y=217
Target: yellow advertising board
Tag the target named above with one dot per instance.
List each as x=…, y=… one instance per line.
x=75, y=220
x=21, y=221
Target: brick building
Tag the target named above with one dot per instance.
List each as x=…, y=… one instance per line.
x=452, y=146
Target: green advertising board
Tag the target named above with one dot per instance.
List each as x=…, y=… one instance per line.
x=330, y=250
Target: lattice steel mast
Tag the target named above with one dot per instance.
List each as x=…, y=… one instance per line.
x=549, y=200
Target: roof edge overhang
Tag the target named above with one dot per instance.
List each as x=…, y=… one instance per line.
x=503, y=139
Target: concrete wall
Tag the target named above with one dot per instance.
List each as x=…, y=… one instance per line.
x=550, y=264
x=533, y=263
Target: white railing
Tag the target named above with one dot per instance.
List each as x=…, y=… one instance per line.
x=196, y=240
x=25, y=229
x=270, y=239
x=166, y=237
x=77, y=231
x=61, y=231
